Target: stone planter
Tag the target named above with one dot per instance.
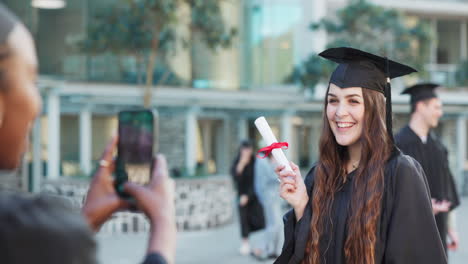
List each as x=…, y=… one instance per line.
x=201, y=203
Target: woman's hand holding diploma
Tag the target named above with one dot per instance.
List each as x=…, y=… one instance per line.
x=292, y=188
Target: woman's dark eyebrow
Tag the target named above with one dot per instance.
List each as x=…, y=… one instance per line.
x=347, y=96
x=352, y=95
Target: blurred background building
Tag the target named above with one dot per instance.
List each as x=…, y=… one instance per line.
x=218, y=65
x=208, y=98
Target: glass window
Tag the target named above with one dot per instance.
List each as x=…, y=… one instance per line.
x=58, y=33
x=448, y=38
x=22, y=9
x=270, y=29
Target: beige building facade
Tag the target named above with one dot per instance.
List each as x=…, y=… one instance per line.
x=212, y=97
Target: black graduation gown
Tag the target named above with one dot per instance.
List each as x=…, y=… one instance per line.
x=245, y=180
x=155, y=258
x=406, y=221
x=251, y=215
x=433, y=158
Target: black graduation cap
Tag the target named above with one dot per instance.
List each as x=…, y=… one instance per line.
x=362, y=69
x=421, y=91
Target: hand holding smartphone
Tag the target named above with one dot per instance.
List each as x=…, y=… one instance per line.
x=135, y=149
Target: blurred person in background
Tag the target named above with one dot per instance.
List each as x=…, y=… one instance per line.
x=250, y=209
x=418, y=141
x=42, y=229
x=267, y=188
x=364, y=202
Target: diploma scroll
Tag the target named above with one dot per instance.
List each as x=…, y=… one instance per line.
x=269, y=137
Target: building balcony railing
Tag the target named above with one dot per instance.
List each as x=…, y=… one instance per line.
x=443, y=74
x=447, y=8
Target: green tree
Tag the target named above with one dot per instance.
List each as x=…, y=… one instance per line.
x=119, y=31
x=147, y=29
x=372, y=28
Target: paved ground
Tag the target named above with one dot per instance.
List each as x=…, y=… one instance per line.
x=208, y=247
x=461, y=255
x=221, y=245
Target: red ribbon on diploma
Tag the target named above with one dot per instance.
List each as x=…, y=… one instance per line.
x=267, y=150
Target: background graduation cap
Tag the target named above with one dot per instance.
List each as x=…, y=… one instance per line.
x=421, y=91
x=362, y=69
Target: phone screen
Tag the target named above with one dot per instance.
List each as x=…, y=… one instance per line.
x=135, y=147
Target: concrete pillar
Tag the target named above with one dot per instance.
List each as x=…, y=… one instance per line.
x=464, y=40
x=53, y=116
x=287, y=135
x=24, y=175
x=191, y=140
x=86, y=140
x=222, y=147
x=433, y=45
x=207, y=138
x=461, y=149
x=36, y=157
x=243, y=129
x=315, y=130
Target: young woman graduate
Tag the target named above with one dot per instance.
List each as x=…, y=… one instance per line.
x=363, y=202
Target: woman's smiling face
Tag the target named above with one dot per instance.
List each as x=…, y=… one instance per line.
x=345, y=113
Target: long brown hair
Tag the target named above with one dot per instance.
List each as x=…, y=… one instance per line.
x=367, y=189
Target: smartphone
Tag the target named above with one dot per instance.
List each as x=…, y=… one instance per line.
x=135, y=148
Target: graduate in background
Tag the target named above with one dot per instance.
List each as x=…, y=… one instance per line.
x=417, y=140
x=250, y=209
x=364, y=202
